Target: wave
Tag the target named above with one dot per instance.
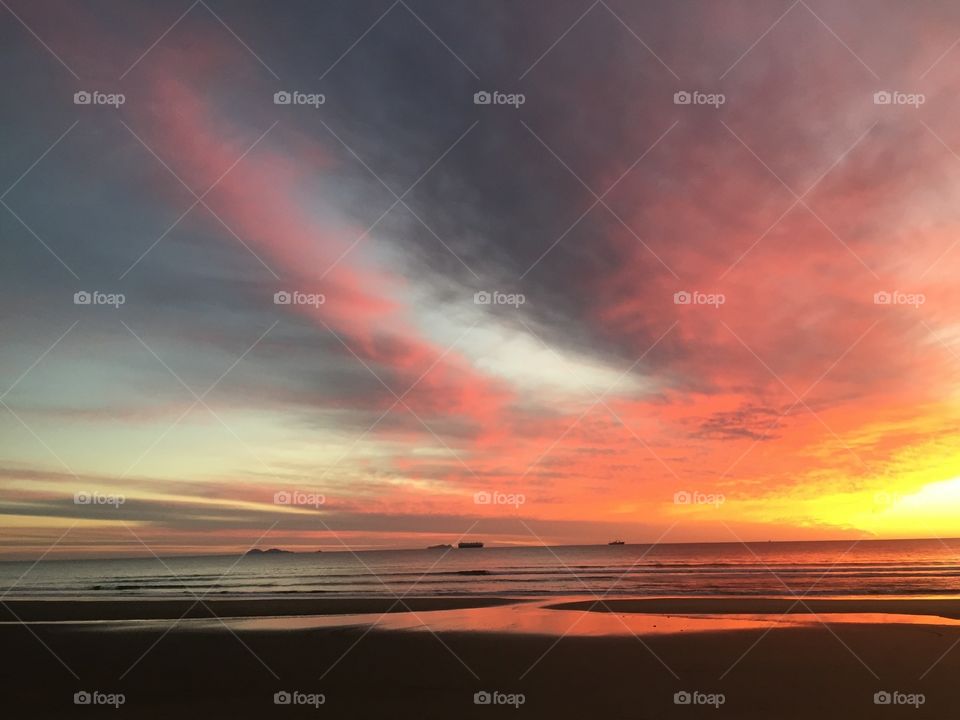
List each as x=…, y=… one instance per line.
x=689, y=571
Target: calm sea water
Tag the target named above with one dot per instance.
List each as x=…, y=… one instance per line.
x=902, y=567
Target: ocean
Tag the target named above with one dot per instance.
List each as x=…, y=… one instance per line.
x=873, y=567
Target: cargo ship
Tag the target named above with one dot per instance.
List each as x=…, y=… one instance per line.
x=465, y=545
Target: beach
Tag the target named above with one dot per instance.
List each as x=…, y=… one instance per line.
x=736, y=658
x=414, y=360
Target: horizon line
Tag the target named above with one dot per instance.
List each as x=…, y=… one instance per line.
x=347, y=550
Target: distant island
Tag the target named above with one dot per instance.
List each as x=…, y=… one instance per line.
x=281, y=551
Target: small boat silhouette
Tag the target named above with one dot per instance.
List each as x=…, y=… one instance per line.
x=615, y=542
x=470, y=545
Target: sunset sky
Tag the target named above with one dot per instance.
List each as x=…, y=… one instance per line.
x=798, y=405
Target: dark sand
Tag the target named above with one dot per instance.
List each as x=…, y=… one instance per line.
x=207, y=672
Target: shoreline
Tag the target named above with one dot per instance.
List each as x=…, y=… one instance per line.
x=190, y=607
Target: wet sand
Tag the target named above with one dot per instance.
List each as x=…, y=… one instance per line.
x=204, y=669
x=942, y=607
x=190, y=607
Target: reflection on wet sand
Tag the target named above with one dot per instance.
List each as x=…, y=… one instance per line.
x=538, y=618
